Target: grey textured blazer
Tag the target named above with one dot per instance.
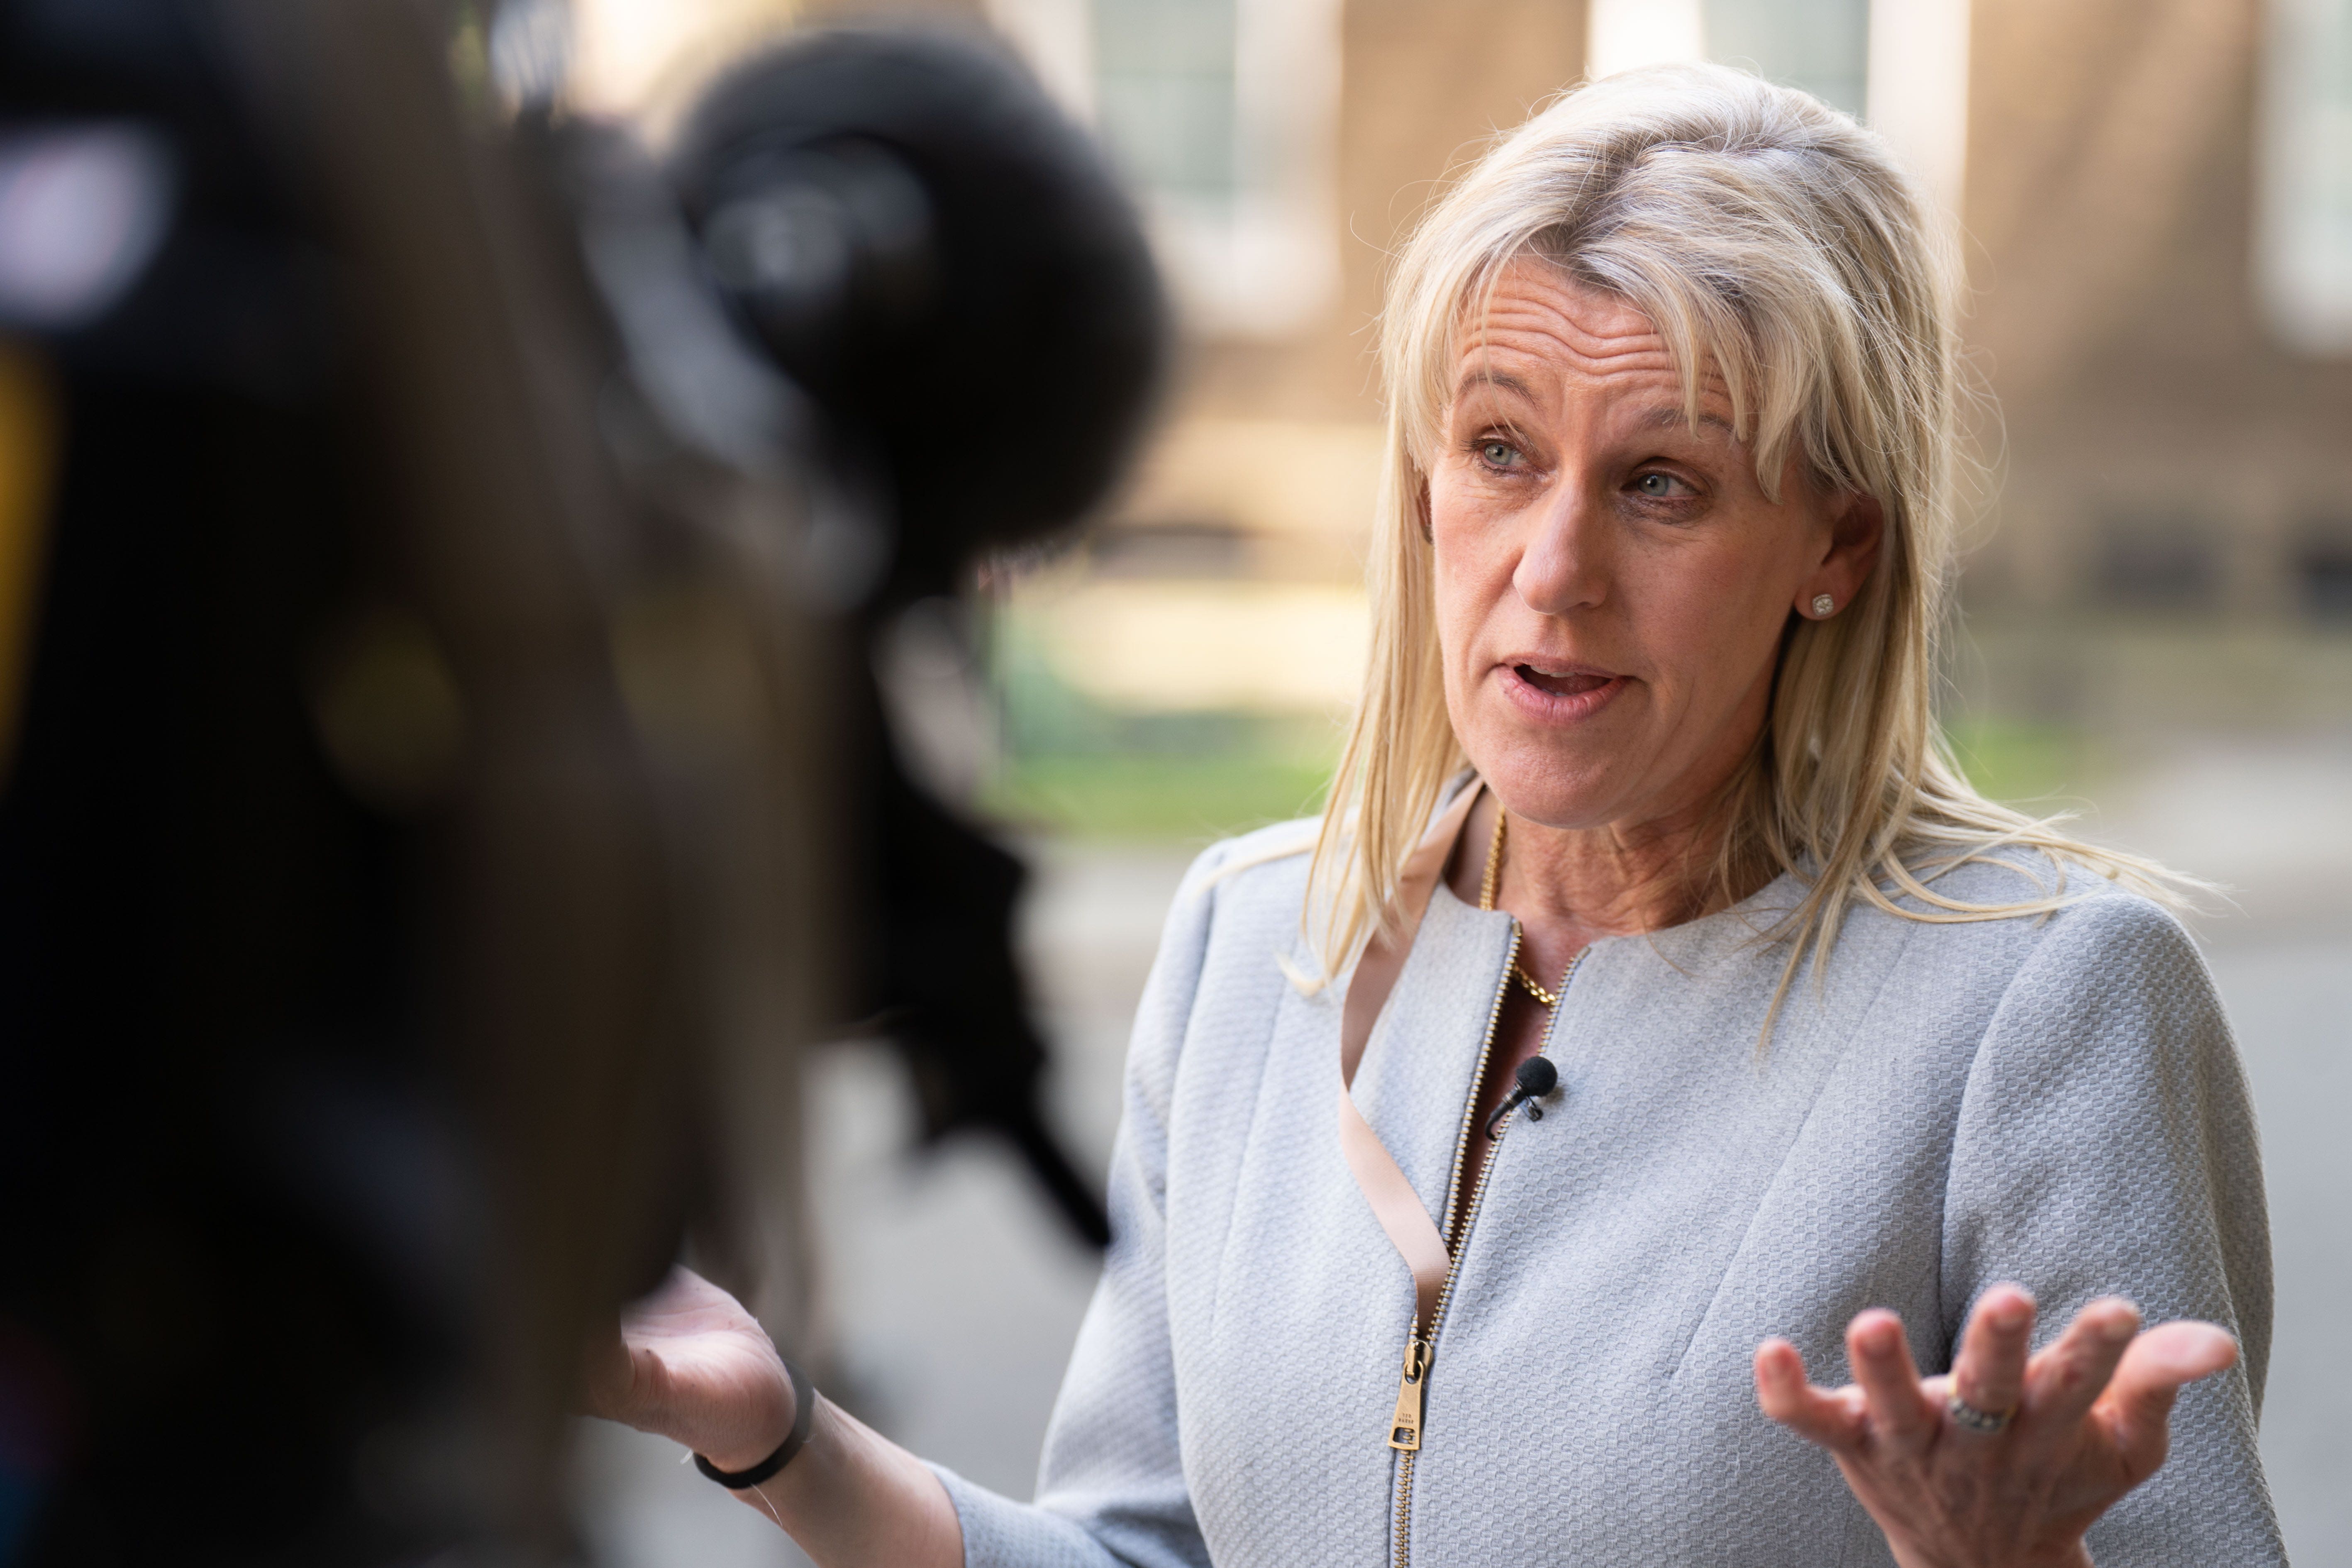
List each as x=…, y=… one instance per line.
x=2054, y=1102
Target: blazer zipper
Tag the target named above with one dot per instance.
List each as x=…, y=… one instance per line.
x=1406, y=1424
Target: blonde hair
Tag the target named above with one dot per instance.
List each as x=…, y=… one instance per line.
x=1778, y=248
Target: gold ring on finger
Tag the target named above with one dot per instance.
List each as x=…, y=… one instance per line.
x=1976, y=1420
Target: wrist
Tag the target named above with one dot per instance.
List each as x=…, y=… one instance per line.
x=735, y=1458
x=1912, y=1555
x=770, y=1443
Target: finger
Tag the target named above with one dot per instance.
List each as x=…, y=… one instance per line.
x=2139, y=1399
x=681, y=1287
x=1899, y=1408
x=607, y=1373
x=2066, y=1380
x=1989, y=1374
x=1833, y=1420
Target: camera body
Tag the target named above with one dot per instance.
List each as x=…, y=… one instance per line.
x=449, y=780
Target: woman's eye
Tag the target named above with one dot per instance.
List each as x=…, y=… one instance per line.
x=1500, y=454
x=1659, y=487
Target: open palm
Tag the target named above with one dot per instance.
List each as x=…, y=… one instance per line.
x=691, y=1364
x=2083, y=1422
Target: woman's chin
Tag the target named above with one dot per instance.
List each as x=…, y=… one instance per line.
x=1542, y=780
x=1563, y=756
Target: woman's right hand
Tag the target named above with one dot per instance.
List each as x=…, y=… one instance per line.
x=689, y=1364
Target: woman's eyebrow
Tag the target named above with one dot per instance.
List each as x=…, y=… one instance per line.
x=1666, y=416
x=1501, y=380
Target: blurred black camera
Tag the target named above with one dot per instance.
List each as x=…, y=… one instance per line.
x=448, y=557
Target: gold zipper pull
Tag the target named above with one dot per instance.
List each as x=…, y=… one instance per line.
x=1405, y=1427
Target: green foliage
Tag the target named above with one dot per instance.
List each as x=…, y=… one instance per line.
x=1078, y=766
x=2036, y=768
x=1197, y=798
x=1074, y=765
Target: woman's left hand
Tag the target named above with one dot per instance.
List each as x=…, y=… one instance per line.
x=2088, y=1423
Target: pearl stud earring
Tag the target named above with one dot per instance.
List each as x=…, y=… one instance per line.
x=1823, y=604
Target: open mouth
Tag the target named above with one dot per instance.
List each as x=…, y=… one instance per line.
x=1559, y=694
x=1569, y=683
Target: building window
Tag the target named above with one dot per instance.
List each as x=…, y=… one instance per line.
x=1901, y=65
x=2303, y=230
x=2160, y=560
x=1164, y=96
x=1223, y=114
x=1822, y=46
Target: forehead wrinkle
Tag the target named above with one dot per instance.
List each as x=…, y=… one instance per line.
x=1546, y=358
x=1548, y=321
x=1542, y=376
x=1556, y=342
x=1499, y=327
x=1540, y=299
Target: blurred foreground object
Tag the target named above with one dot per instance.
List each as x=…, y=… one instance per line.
x=443, y=558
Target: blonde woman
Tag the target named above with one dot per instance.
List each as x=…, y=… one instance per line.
x=1690, y=1021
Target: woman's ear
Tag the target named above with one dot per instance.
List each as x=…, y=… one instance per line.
x=1857, y=526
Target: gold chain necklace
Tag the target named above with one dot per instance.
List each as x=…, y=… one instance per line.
x=1487, y=901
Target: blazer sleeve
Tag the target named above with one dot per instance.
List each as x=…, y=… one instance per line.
x=1111, y=1489
x=2105, y=1145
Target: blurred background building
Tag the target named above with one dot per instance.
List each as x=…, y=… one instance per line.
x=2154, y=200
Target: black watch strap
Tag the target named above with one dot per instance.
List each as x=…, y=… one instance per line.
x=803, y=1418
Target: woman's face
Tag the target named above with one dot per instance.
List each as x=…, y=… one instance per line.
x=1611, y=584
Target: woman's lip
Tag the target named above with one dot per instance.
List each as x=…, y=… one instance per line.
x=1590, y=691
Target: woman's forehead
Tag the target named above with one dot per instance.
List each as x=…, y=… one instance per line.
x=1539, y=332
x=1529, y=296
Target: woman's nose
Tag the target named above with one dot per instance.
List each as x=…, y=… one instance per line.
x=1563, y=565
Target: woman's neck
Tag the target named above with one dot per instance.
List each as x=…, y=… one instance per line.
x=1569, y=885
